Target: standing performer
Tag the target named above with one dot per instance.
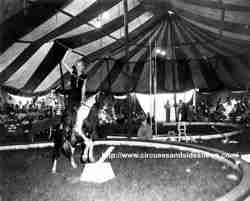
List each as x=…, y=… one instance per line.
x=82, y=114
x=68, y=135
x=74, y=78
x=167, y=109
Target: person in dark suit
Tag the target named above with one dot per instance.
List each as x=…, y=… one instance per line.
x=74, y=77
x=167, y=109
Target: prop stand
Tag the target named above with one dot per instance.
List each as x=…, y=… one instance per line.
x=100, y=171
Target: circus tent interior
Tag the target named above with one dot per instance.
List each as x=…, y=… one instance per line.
x=162, y=76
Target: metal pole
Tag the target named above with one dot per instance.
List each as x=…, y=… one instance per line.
x=125, y=8
x=62, y=84
x=150, y=79
x=194, y=98
x=175, y=107
x=125, y=18
x=61, y=73
x=155, y=91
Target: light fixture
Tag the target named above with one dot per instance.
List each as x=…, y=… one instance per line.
x=170, y=12
x=158, y=51
x=163, y=53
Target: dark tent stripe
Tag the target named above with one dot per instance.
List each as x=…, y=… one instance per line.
x=225, y=74
x=184, y=75
x=209, y=74
x=198, y=78
x=192, y=49
x=231, y=69
x=163, y=38
x=242, y=71
x=228, y=26
x=111, y=77
x=49, y=63
x=114, y=74
x=183, y=51
x=216, y=5
x=212, y=44
x=19, y=61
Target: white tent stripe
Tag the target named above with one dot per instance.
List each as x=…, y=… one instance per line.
x=104, y=41
x=11, y=54
x=115, y=12
x=23, y=74
x=75, y=7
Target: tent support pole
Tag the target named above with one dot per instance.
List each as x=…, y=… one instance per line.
x=125, y=11
x=175, y=108
x=61, y=76
x=194, y=98
x=62, y=83
x=155, y=91
x=150, y=80
x=125, y=8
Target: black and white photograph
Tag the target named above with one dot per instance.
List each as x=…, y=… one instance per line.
x=124, y=100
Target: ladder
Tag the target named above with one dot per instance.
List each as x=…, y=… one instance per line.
x=182, y=130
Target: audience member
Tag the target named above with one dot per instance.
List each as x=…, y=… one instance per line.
x=167, y=109
x=145, y=131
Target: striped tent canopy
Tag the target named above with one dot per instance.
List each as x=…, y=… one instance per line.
x=206, y=45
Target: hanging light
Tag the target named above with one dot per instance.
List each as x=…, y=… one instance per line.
x=163, y=53
x=158, y=50
x=170, y=12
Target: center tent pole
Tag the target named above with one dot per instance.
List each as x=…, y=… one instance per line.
x=62, y=84
x=150, y=80
x=126, y=61
x=155, y=91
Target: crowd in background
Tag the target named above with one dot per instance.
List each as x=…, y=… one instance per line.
x=234, y=110
x=120, y=113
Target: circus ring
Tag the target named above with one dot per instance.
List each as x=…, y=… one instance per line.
x=156, y=174
x=196, y=131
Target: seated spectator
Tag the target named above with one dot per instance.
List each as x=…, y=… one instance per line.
x=145, y=131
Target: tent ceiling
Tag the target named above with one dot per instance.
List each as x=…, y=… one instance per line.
x=207, y=44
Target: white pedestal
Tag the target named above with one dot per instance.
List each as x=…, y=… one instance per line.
x=98, y=172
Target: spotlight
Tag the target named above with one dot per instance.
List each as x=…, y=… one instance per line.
x=158, y=51
x=170, y=12
x=163, y=53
